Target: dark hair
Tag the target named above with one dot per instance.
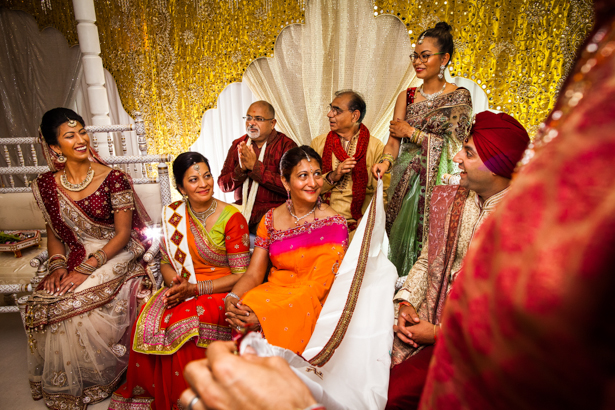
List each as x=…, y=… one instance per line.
x=52, y=120
x=293, y=156
x=444, y=39
x=267, y=105
x=183, y=162
x=356, y=102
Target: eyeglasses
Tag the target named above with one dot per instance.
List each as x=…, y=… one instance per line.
x=257, y=119
x=336, y=110
x=424, y=58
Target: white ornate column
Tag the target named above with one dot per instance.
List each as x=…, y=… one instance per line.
x=89, y=44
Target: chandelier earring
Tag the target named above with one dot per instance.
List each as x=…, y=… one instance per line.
x=441, y=75
x=61, y=158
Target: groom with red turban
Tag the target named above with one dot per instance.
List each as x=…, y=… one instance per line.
x=487, y=161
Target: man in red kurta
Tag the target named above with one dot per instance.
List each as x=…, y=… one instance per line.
x=246, y=165
x=487, y=160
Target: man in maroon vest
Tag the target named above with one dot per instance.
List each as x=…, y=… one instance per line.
x=255, y=159
x=487, y=161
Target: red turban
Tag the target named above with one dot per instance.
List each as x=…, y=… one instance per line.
x=500, y=141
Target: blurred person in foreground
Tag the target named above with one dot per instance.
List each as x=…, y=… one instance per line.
x=529, y=324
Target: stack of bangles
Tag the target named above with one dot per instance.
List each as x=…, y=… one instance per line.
x=86, y=269
x=204, y=287
x=388, y=157
x=57, y=261
x=415, y=137
x=100, y=256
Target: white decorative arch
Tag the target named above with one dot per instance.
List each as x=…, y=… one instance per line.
x=340, y=46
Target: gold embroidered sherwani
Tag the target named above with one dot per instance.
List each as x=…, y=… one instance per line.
x=341, y=192
x=474, y=214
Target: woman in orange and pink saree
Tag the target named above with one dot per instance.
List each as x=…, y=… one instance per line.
x=206, y=250
x=305, y=241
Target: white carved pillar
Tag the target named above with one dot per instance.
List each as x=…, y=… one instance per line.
x=93, y=70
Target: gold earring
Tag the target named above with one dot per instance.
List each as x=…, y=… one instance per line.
x=61, y=158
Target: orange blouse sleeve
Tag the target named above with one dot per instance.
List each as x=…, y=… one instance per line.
x=237, y=243
x=263, y=239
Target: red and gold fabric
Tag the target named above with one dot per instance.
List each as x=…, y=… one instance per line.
x=529, y=323
x=165, y=340
x=79, y=341
x=271, y=192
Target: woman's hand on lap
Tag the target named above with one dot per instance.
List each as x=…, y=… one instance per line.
x=51, y=283
x=71, y=282
x=179, y=292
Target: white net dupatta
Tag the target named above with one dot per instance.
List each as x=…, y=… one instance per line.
x=347, y=360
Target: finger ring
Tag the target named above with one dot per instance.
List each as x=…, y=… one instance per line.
x=238, y=328
x=193, y=402
x=72, y=283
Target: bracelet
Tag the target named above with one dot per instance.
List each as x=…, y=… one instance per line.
x=387, y=157
x=85, y=269
x=405, y=303
x=204, y=287
x=232, y=295
x=57, y=261
x=57, y=256
x=414, y=137
x=100, y=256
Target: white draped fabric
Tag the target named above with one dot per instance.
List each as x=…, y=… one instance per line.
x=356, y=376
x=340, y=46
x=38, y=71
x=221, y=126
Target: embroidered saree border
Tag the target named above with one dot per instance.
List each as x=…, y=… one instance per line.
x=436, y=295
x=42, y=310
x=151, y=339
x=90, y=395
x=207, y=250
x=353, y=295
x=277, y=235
x=133, y=403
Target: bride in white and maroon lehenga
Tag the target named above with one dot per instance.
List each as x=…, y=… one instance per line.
x=79, y=318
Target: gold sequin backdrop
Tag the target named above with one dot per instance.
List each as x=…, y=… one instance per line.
x=172, y=58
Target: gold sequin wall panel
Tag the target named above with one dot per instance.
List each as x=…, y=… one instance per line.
x=171, y=59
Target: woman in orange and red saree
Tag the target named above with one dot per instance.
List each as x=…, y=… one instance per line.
x=305, y=241
x=79, y=318
x=205, y=252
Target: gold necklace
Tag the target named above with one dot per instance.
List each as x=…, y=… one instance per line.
x=202, y=216
x=81, y=185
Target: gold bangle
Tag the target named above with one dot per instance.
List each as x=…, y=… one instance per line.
x=414, y=138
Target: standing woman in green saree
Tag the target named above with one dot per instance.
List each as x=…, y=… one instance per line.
x=428, y=128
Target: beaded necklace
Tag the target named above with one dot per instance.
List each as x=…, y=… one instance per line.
x=81, y=185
